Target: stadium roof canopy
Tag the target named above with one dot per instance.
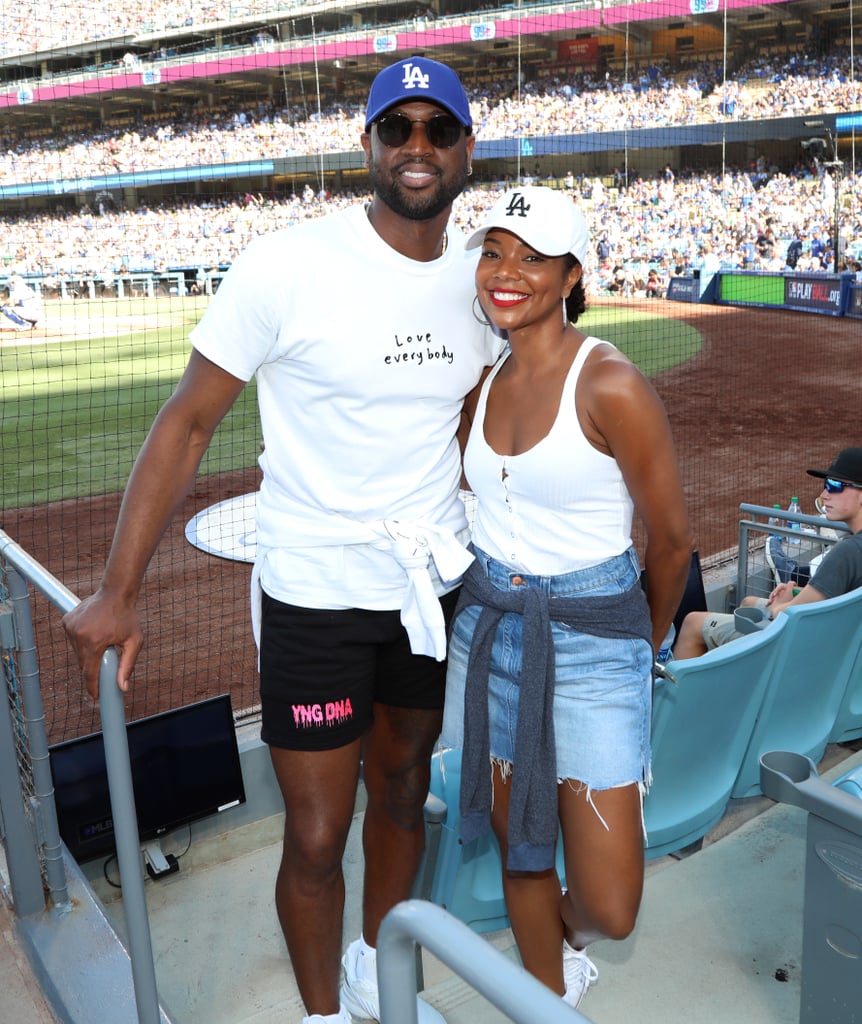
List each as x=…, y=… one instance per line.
x=341, y=44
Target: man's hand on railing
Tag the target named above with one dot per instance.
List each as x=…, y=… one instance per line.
x=97, y=623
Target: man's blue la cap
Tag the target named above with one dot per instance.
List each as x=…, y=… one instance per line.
x=414, y=79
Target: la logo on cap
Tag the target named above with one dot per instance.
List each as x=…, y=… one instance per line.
x=414, y=78
x=517, y=206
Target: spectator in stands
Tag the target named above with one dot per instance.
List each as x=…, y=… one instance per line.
x=557, y=693
x=839, y=572
x=794, y=251
x=359, y=554
x=766, y=244
x=655, y=287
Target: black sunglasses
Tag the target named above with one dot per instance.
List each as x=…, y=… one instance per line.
x=441, y=130
x=837, y=486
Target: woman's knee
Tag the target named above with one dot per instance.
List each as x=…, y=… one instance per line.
x=611, y=913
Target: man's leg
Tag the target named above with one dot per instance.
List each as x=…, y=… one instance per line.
x=396, y=761
x=319, y=791
x=690, y=642
x=704, y=631
x=396, y=771
x=16, y=318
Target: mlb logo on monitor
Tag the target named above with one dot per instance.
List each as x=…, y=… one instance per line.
x=486, y=30
x=24, y=96
x=385, y=44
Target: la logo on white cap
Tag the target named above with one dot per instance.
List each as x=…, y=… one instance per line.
x=414, y=78
x=517, y=206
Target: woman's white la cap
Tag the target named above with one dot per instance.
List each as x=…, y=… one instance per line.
x=544, y=218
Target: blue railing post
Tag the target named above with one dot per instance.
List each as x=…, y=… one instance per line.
x=37, y=738
x=120, y=786
x=127, y=839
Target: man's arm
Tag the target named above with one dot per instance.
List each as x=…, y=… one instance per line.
x=162, y=476
x=783, y=596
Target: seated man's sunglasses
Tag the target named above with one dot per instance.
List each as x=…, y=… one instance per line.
x=837, y=486
x=441, y=130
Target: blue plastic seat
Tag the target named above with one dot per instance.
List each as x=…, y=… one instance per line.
x=807, y=683
x=851, y=782
x=468, y=877
x=848, y=721
x=702, y=723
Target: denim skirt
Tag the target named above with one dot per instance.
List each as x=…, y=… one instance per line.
x=603, y=689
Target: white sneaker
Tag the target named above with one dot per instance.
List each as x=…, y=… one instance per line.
x=579, y=972
x=359, y=988
x=342, y=1017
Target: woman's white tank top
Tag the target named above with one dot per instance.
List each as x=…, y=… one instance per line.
x=560, y=506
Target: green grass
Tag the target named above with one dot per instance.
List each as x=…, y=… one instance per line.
x=654, y=343
x=75, y=413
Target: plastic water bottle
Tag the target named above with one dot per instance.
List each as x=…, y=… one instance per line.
x=794, y=507
x=664, y=652
x=775, y=519
x=776, y=554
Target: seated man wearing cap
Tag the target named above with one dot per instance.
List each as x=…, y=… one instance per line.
x=839, y=572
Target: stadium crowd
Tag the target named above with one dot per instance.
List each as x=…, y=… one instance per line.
x=556, y=106
x=670, y=223
x=77, y=24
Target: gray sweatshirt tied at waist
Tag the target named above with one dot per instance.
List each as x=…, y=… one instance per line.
x=533, y=813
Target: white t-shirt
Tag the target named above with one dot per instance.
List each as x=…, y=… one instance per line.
x=362, y=359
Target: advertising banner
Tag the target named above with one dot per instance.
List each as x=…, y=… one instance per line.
x=808, y=293
x=579, y=51
x=813, y=293
x=683, y=289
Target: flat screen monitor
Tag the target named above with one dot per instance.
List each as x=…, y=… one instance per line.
x=185, y=766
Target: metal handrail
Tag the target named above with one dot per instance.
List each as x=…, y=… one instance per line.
x=523, y=998
x=746, y=526
x=37, y=738
x=122, y=794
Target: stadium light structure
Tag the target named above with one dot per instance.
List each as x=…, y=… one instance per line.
x=816, y=149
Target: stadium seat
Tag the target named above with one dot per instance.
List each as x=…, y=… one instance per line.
x=807, y=683
x=694, y=596
x=851, y=782
x=703, y=718
x=848, y=721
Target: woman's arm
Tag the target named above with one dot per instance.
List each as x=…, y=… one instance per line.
x=624, y=417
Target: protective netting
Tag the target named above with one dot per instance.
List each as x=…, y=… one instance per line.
x=143, y=146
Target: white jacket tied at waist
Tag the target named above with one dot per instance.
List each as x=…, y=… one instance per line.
x=412, y=543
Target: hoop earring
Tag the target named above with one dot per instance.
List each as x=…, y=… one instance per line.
x=476, y=317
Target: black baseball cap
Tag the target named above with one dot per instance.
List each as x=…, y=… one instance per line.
x=846, y=466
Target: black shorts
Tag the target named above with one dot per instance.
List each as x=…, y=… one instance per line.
x=322, y=671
